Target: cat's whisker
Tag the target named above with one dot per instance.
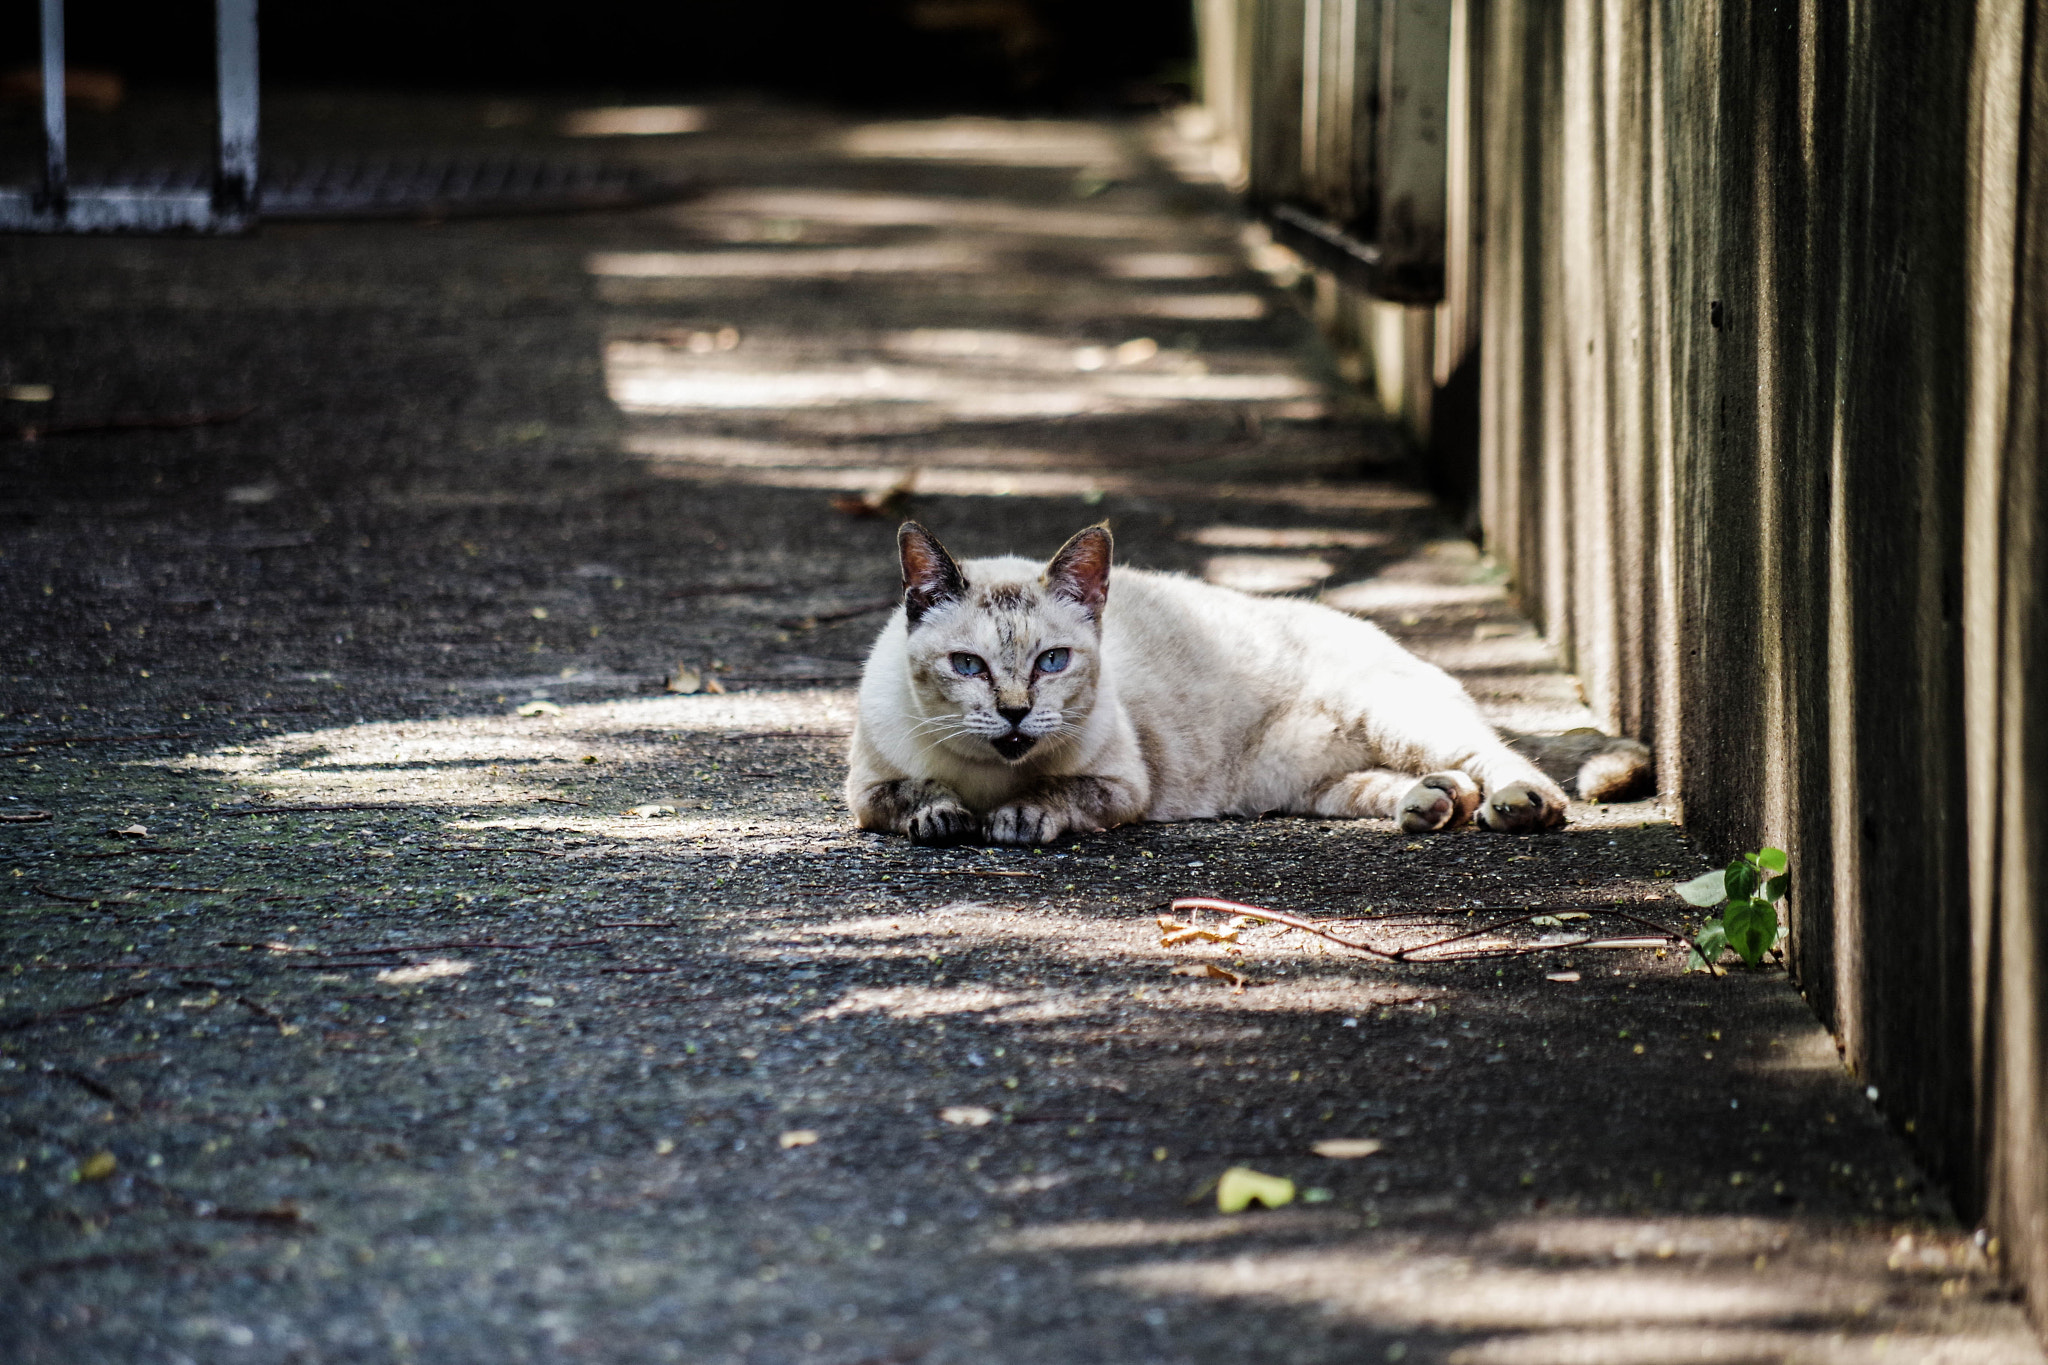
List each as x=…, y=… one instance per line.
x=939, y=729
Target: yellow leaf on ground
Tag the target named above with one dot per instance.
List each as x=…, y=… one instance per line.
x=98, y=1166
x=652, y=809
x=685, y=680
x=130, y=832
x=1172, y=933
x=1347, y=1149
x=1241, y=1187
x=797, y=1137
x=540, y=708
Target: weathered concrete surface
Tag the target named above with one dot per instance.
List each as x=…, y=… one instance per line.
x=490, y=1069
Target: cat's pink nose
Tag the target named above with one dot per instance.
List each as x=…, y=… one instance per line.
x=1013, y=714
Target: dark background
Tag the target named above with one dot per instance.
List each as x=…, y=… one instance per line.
x=910, y=54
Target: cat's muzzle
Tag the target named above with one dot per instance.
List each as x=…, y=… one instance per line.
x=1013, y=746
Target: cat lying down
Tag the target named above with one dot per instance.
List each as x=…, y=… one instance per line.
x=1013, y=702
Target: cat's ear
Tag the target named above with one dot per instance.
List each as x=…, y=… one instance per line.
x=930, y=577
x=1080, y=571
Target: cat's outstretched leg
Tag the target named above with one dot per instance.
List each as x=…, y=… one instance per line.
x=1442, y=800
x=1061, y=805
x=929, y=812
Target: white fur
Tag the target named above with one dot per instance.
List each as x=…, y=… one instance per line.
x=1195, y=701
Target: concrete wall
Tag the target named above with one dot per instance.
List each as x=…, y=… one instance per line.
x=1762, y=306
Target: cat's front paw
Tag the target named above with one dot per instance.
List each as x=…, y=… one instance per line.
x=1439, y=801
x=1521, y=807
x=943, y=822
x=1025, y=824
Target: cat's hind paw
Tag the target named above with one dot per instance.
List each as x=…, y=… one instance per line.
x=1439, y=801
x=943, y=822
x=1025, y=824
x=1521, y=807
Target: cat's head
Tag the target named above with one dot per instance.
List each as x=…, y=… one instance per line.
x=1005, y=660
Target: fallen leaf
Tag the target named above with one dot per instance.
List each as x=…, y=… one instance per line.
x=1560, y=976
x=714, y=685
x=797, y=1137
x=590, y=758
x=685, y=680
x=881, y=502
x=24, y=817
x=1172, y=933
x=1210, y=969
x=1574, y=914
x=540, y=708
x=967, y=1115
x=423, y=971
x=1347, y=1149
x=1707, y=889
x=1241, y=1187
x=652, y=809
x=131, y=832
x=664, y=1146
x=98, y=1166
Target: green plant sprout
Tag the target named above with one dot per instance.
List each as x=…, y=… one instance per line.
x=1752, y=886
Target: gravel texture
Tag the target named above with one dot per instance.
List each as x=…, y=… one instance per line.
x=353, y=1015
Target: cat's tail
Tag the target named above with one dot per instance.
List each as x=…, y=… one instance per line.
x=1589, y=765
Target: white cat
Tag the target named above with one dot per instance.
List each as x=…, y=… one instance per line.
x=1016, y=703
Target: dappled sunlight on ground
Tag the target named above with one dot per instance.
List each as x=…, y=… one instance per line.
x=636, y=120
x=797, y=214
x=354, y=1015
x=1267, y=573
x=994, y=142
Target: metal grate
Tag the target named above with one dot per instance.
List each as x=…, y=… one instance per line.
x=413, y=185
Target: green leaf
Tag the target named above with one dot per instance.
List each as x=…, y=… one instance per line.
x=1708, y=943
x=1752, y=927
x=1773, y=860
x=1742, y=880
x=1775, y=888
x=1709, y=889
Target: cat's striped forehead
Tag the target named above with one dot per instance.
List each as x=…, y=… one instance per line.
x=1013, y=612
x=1006, y=609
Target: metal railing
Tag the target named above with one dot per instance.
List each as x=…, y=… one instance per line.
x=228, y=205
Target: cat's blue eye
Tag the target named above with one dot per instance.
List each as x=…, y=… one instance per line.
x=969, y=665
x=1053, y=660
